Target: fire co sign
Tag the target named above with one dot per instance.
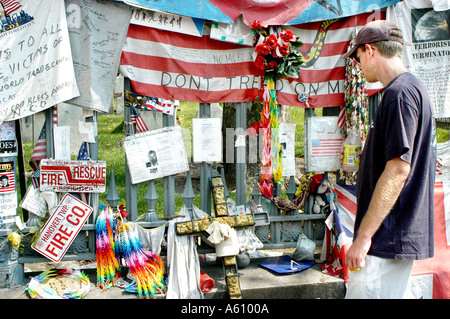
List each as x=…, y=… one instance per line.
x=62, y=227
x=73, y=176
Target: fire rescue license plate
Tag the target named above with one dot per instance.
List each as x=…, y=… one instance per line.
x=62, y=227
x=73, y=176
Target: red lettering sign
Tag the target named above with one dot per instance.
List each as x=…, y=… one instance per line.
x=62, y=227
x=73, y=176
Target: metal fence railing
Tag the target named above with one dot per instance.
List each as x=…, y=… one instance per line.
x=275, y=228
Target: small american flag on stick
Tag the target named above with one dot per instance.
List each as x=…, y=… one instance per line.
x=40, y=150
x=137, y=120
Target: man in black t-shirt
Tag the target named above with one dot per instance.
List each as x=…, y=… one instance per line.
x=395, y=185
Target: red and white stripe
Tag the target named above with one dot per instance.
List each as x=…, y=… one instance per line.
x=341, y=118
x=137, y=120
x=11, y=183
x=39, y=151
x=176, y=66
x=431, y=277
x=55, y=115
x=10, y=6
x=327, y=148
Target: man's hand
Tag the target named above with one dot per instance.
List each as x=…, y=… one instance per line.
x=356, y=254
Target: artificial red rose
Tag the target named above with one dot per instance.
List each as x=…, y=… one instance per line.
x=257, y=24
x=287, y=36
x=259, y=62
x=284, y=50
x=281, y=51
x=272, y=65
x=262, y=49
x=271, y=41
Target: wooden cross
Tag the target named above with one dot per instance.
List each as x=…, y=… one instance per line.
x=220, y=195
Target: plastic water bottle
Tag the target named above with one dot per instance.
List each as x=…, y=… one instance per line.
x=352, y=151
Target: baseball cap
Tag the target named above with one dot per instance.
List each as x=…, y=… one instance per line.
x=374, y=31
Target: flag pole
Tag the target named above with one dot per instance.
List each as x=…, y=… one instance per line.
x=49, y=132
x=21, y=166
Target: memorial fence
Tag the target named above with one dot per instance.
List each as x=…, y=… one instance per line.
x=275, y=229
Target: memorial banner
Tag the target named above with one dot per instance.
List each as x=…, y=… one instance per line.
x=97, y=31
x=169, y=22
x=36, y=68
x=173, y=66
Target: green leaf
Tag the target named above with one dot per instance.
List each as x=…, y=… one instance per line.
x=297, y=43
x=35, y=238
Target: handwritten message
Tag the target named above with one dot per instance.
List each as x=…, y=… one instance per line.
x=36, y=69
x=97, y=31
x=169, y=22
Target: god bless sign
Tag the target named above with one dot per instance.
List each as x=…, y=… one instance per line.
x=62, y=227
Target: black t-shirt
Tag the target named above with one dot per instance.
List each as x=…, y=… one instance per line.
x=403, y=126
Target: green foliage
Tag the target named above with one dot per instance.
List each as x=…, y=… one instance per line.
x=442, y=135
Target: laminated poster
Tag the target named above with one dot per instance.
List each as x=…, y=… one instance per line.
x=8, y=142
x=154, y=154
x=323, y=144
x=8, y=196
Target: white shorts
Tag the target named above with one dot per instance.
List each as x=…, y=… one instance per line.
x=381, y=278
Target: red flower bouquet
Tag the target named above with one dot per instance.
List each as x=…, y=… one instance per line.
x=277, y=56
x=277, y=52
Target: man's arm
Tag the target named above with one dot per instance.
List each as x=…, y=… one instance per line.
x=386, y=192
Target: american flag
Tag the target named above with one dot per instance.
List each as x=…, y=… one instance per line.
x=340, y=222
x=150, y=103
x=10, y=6
x=342, y=119
x=167, y=64
x=36, y=178
x=137, y=120
x=10, y=185
x=430, y=277
x=40, y=150
x=328, y=147
x=83, y=154
x=55, y=115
